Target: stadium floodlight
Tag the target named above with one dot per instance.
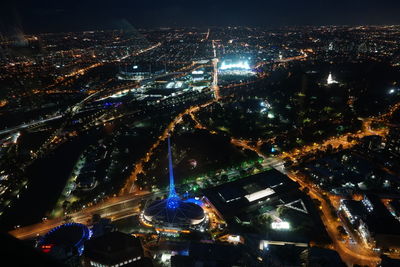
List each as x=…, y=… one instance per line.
x=238, y=65
x=280, y=225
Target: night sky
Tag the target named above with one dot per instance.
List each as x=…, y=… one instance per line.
x=69, y=15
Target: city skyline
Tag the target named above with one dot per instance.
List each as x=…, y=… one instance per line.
x=49, y=16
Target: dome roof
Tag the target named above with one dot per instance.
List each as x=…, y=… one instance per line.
x=67, y=235
x=180, y=213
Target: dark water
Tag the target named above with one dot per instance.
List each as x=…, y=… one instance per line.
x=47, y=178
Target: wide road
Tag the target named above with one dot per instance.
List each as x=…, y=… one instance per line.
x=356, y=254
x=27, y=125
x=114, y=208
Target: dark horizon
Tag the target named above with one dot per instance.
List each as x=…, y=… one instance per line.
x=47, y=16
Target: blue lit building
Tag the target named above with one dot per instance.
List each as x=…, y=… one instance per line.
x=65, y=243
x=173, y=212
x=70, y=236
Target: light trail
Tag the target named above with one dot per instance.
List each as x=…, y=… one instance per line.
x=214, y=85
x=214, y=49
x=27, y=125
x=336, y=142
x=138, y=52
x=301, y=57
x=207, y=35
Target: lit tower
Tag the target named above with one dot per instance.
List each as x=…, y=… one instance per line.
x=330, y=79
x=173, y=212
x=173, y=198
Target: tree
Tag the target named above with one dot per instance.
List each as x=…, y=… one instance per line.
x=67, y=219
x=65, y=204
x=306, y=190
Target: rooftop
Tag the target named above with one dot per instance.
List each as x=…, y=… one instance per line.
x=113, y=247
x=233, y=197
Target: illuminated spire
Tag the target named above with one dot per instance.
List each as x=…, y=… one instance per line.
x=172, y=192
x=173, y=199
x=330, y=79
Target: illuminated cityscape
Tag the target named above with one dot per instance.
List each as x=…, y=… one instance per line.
x=198, y=134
